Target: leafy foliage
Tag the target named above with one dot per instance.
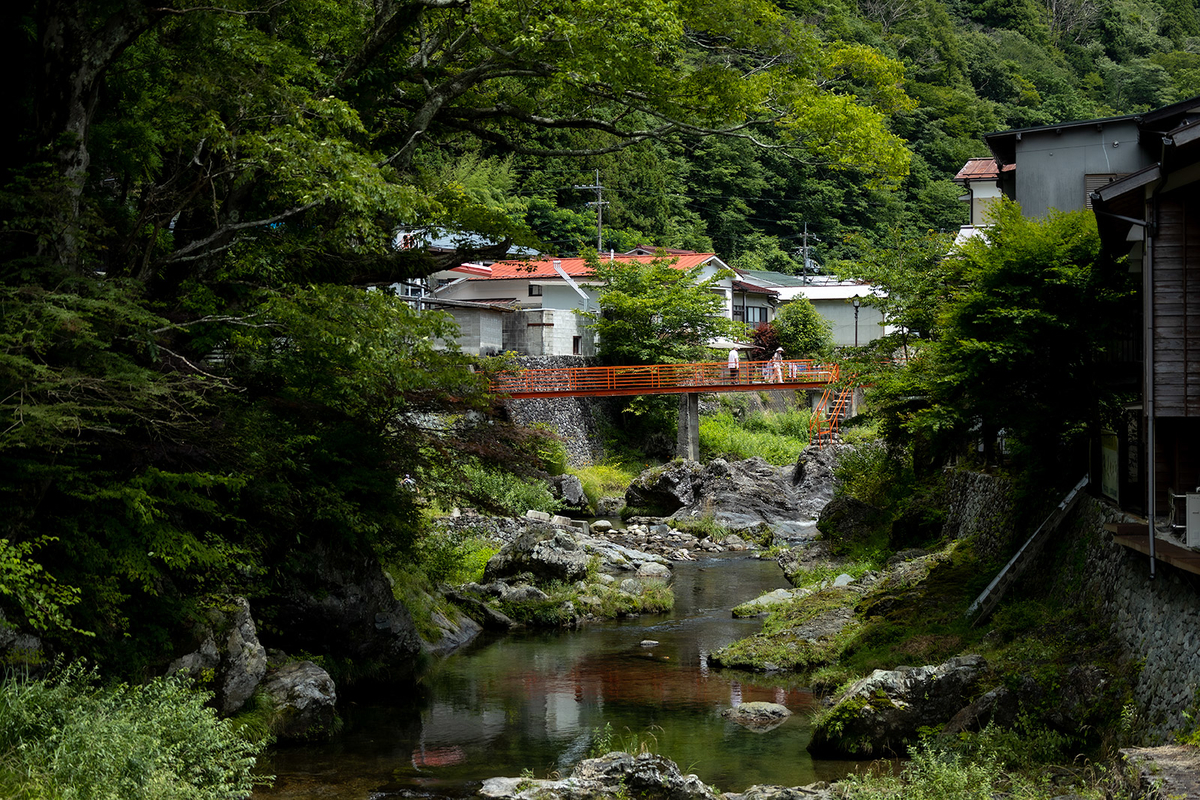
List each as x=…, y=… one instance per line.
x=777, y=437
x=65, y=737
x=1021, y=320
x=655, y=313
x=801, y=330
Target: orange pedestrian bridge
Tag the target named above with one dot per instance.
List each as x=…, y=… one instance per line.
x=689, y=381
x=752, y=376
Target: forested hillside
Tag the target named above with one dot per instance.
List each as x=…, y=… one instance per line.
x=196, y=394
x=969, y=69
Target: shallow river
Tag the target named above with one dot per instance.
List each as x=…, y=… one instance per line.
x=534, y=701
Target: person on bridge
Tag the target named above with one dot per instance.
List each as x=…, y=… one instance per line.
x=777, y=366
x=734, y=364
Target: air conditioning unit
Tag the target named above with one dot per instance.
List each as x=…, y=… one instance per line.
x=1193, y=519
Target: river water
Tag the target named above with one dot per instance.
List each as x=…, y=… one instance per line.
x=533, y=702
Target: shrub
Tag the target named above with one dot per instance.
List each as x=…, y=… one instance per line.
x=874, y=473
x=506, y=493
x=702, y=526
x=454, y=557
x=62, y=737
x=551, y=449
x=933, y=774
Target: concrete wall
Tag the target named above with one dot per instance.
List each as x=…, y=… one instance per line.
x=481, y=332
x=1051, y=166
x=547, y=332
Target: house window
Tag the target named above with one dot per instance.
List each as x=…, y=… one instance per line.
x=576, y=345
x=535, y=290
x=756, y=315
x=739, y=313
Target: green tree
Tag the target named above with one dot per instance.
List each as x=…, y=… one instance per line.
x=802, y=331
x=656, y=313
x=916, y=279
x=1020, y=341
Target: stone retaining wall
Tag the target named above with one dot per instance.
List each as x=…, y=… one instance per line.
x=577, y=420
x=1155, y=622
x=980, y=507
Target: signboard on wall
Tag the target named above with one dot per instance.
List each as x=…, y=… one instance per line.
x=1110, y=451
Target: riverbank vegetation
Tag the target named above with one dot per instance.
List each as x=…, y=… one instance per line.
x=1025, y=763
x=67, y=735
x=735, y=434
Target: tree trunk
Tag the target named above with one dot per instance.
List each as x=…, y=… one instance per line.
x=76, y=51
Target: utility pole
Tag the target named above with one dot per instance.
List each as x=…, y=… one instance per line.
x=599, y=203
x=805, y=258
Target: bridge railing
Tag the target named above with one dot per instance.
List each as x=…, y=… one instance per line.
x=657, y=378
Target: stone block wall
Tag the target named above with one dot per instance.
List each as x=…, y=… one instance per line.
x=981, y=507
x=577, y=420
x=1156, y=622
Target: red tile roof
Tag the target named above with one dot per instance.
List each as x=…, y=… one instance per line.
x=979, y=169
x=575, y=267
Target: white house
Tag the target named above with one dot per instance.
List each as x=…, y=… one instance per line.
x=853, y=324
x=545, y=294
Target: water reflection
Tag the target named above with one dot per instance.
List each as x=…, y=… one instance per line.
x=533, y=701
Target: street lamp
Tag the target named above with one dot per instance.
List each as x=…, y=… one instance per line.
x=856, y=302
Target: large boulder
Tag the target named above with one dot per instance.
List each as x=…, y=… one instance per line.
x=882, y=713
x=846, y=520
x=455, y=629
x=813, y=791
x=228, y=657
x=337, y=601
x=551, y=553
x=304, y=700
x=1078, y=700
x=615, y=558
x=666, y=488
x=569, y=489
x=758, y=716
x=812, y=475
x=544, y=551
x=752, y=494
x=646, y=776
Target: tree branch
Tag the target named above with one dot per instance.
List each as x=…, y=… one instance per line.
x=225, y=230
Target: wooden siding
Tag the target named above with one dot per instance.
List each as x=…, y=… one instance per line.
x=1177, y=306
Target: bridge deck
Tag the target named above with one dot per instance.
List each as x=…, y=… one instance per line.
x=753, y=376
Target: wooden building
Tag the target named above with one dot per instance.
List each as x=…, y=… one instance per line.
x=1152, y=217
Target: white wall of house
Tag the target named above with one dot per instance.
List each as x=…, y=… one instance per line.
x=840, y=313
x=546, y=322
x=981, y=195
x=834, y=302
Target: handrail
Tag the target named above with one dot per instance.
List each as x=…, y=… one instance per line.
x=662, y=378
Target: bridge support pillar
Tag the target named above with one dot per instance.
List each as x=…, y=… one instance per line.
x=688, y=444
